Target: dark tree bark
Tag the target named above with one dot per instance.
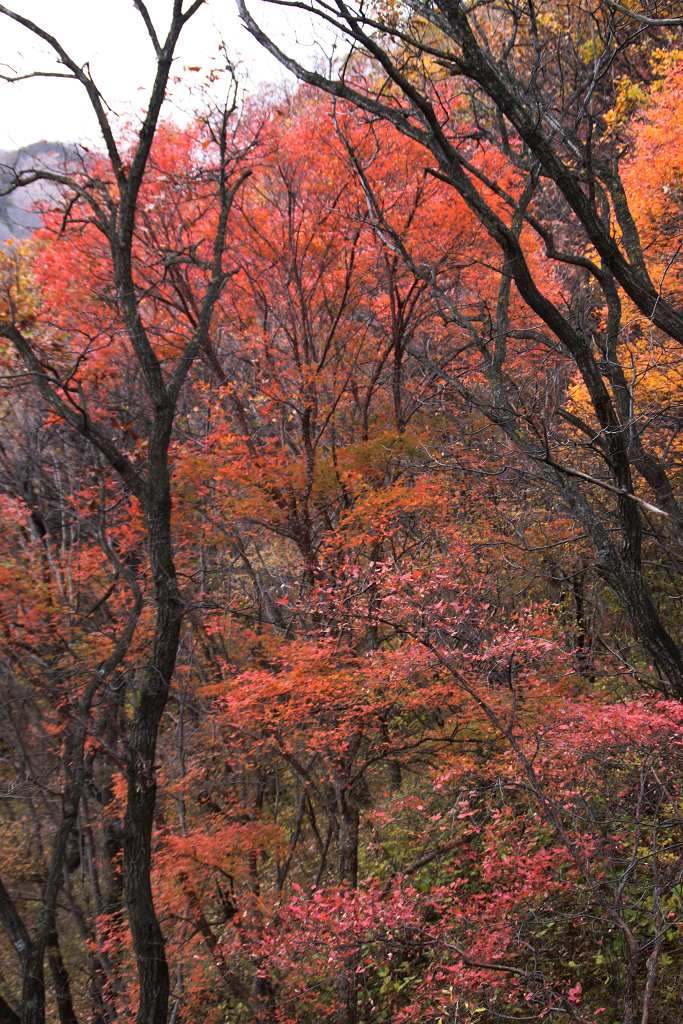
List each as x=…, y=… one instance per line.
x=7, y=1014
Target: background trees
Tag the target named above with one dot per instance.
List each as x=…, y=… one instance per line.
x=545, y=88
x=339, y=484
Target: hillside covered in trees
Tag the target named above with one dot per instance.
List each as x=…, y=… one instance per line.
x=341, y=674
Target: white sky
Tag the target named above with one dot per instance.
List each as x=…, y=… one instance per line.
x=109, y=34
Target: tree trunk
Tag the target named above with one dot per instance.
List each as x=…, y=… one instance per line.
x=60, y=982
x=347, y=987
x=148, y=940
x=648, y=627
x=7, y=1014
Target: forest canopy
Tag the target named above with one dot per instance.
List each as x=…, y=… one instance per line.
x=341, y=537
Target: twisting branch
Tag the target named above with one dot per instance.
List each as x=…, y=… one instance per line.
x=645, y=19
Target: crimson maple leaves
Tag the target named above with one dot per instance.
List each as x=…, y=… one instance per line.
x=403, y=750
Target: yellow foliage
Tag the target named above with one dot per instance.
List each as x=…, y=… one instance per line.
x=630, y=96
x=654, y=372
x=18, y=299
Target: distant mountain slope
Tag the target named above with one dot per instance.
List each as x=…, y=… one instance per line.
x=18, y=216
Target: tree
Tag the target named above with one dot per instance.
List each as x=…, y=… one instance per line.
x=106, y=196
x=411, y=762
x=538, y=86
